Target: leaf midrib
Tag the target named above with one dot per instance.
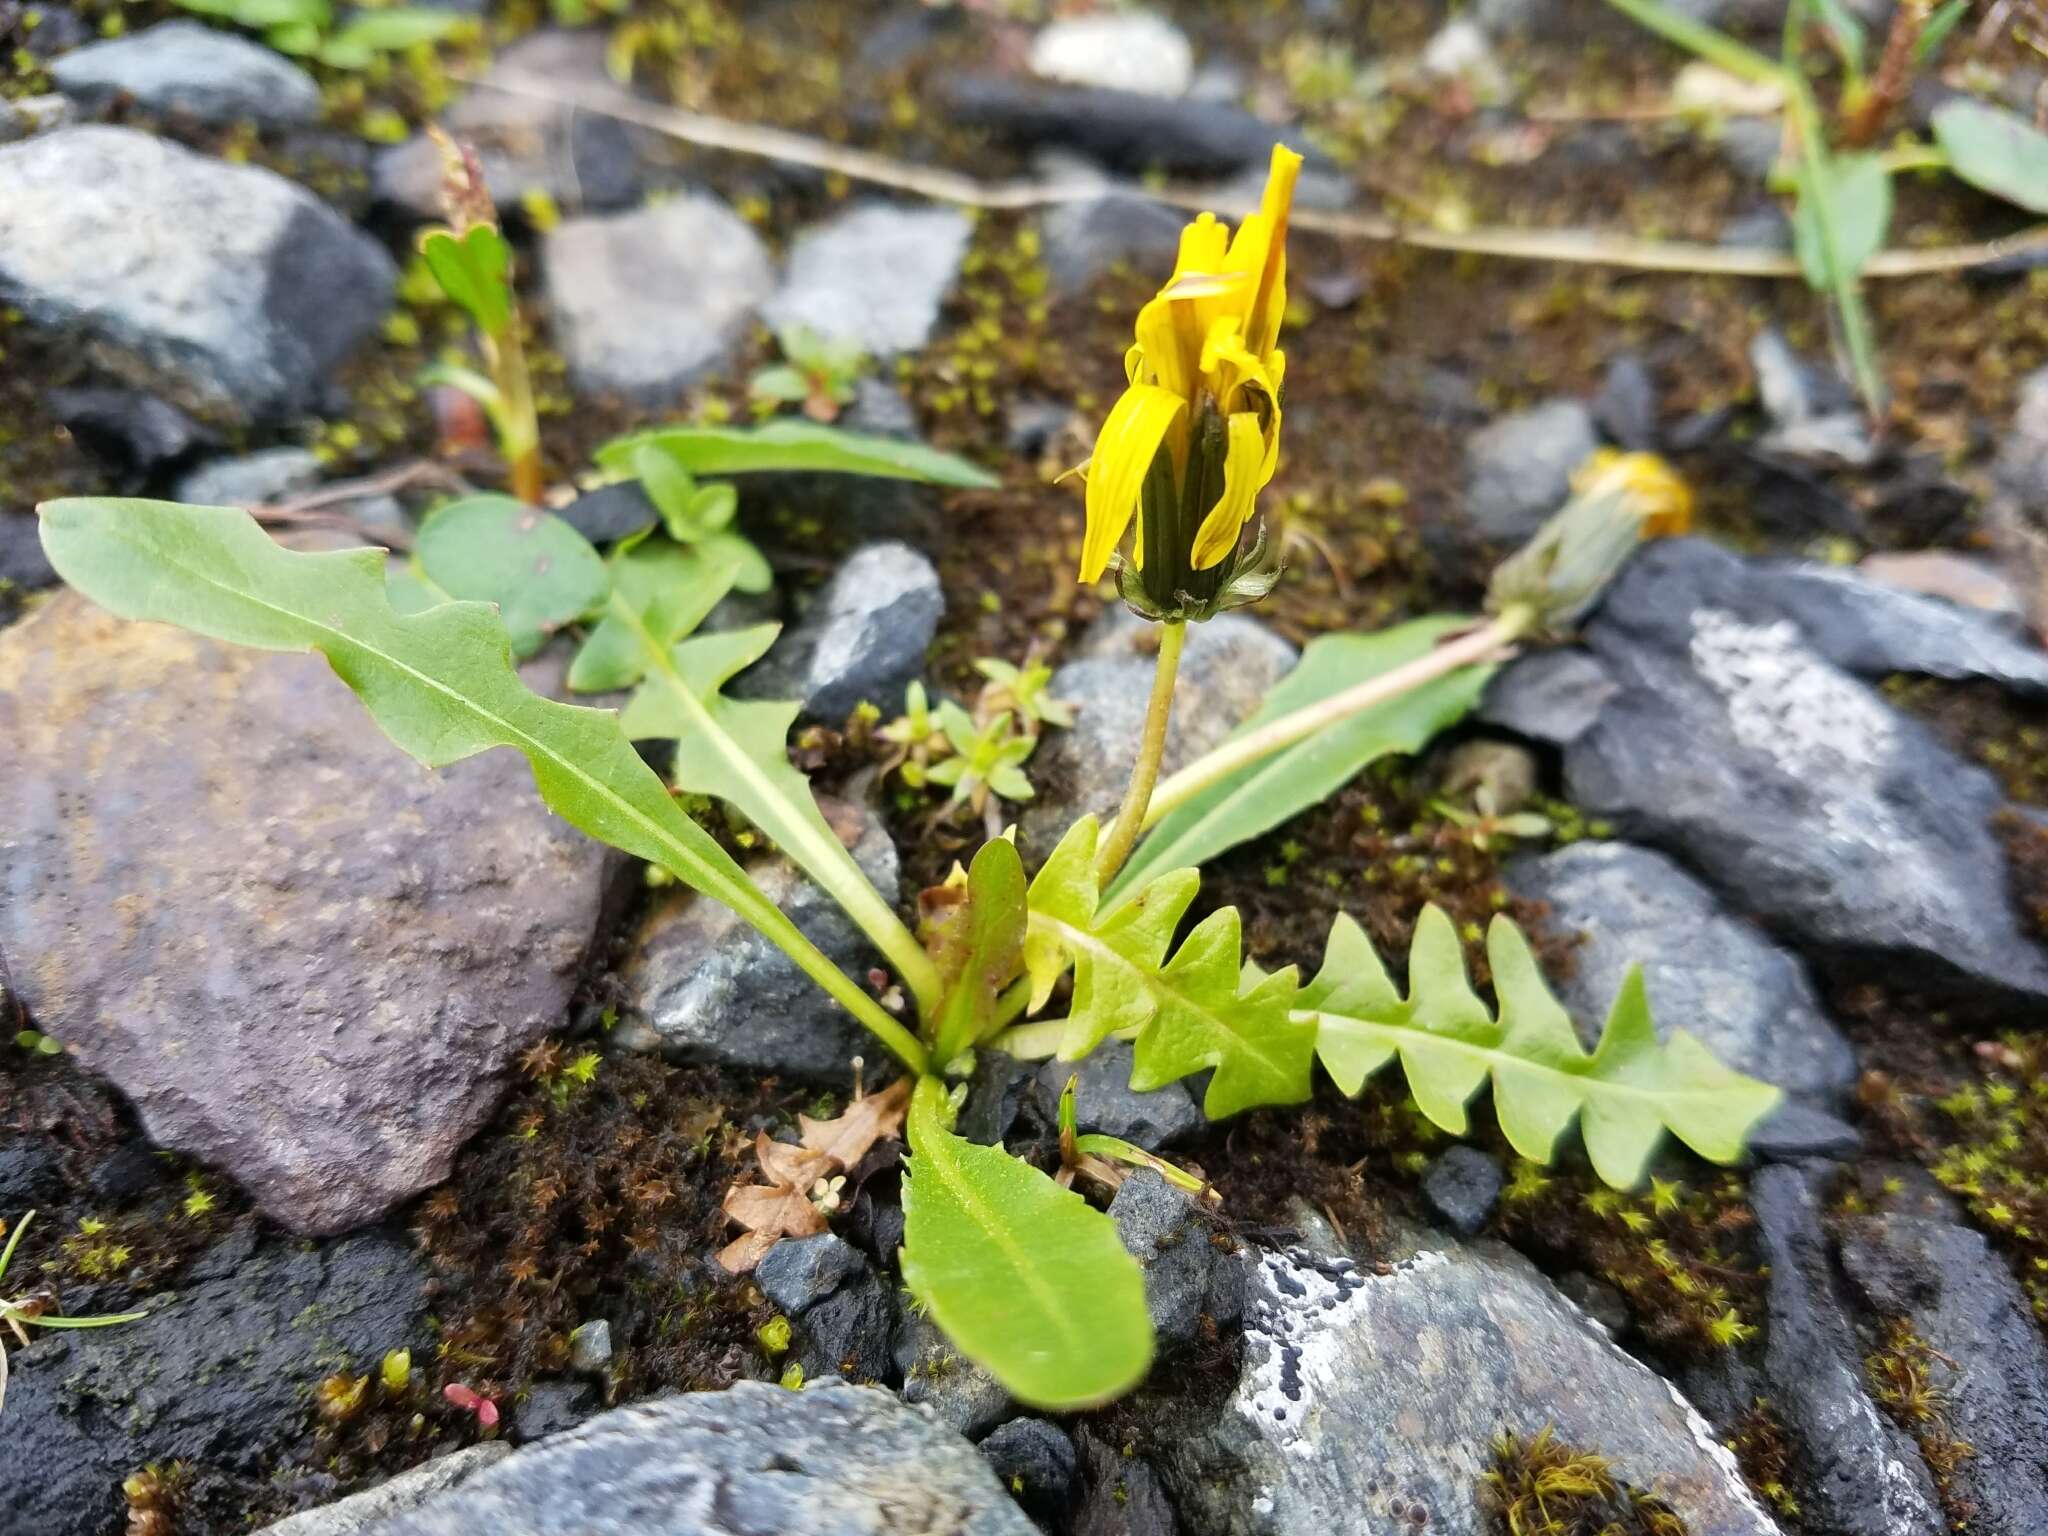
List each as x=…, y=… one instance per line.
x=1081, y=940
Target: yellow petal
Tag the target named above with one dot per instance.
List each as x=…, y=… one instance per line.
x=1269, y=303
x=1244, y=474
x=1124, y=450
x=1202, y=244
x=1171, y=345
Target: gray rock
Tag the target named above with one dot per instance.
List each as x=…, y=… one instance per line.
x=1105, y=1102
x=580, y=160
x=645, y=302
x=1962, y=1300
x=1119, y=51
x=862, y=640
x=1226, y=671
x=1873, y=628
x=1805, y=799
x=1708, y=972
x=1968, y=580
x=554, y=1406
x=590, y=1346
x=1861, y=1475
x=999, y=1098
x=1518, y=470
x=611, y=512
x=1751, y=145
x=25, y=115
x=832, y=1460
x=1626, y=407
x=1461, y=1186
x=1037, y=1463
x=1815, y=418
x=1460, y=51
x=130, y=430
x=1120, y=130
x=191, y=69
x=1161, y=1229
x=357, y=945
x=219, y=1374
x=2021, y=467
x=700, y=985
x=1369, y=1401
x=1760, y=229
x=225, y=284
x=841, y=1312
x=1796, y=1131
x=1086, y=239
x=362, y=1513
x=272, y=474
x=936, y=1377
x=1123, y=1495
x=1551, y=696
x=875, y=275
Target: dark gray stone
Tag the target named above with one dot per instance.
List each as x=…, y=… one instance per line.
x=1162, y=1230
x=191, y=69
x=1372, y=1400
x=1797, y=1130
x=362, y=1513
x=1549, y=695
x=842, y=1314
x=1626, y=407
x=611, y=512
x=1961, y=1299
x=998, y=1098
x=1804, y=798
x=648, y=301
x=701, y=985
x=1037, y=1463
x=874, y=275
x=1815, y=417
x=1461, y=1186
x=1085, y=239
x=224, y=283
x=1120, y=130
x=938, y=1378
x=1861, y=1475
x=1105, y=1102
x=552, y=1406
x=273, y=474
x=832, y=1460
x=580, y=160
x=1518, y=470
x=1123, y=1495
x=130, y=430
x=30, y=1174
x=1708, y=972
x=219, y=1374
x=331, y=932
x=1229, y=666
x=863, y=640
x=23, y=565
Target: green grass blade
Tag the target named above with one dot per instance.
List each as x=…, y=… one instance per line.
x=440, y=683
x=1027, y=1279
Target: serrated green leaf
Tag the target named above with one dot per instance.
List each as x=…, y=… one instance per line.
x=734, y=749
x=540, y=572
x=439, y=683
x=1262, y=796
x=985, y=947
x=1190, y=1012
x=1027, y=1279
x=1625, y=1094
x=795, y=445
x=369, y=33
x=475, y=271
x=1995, y=151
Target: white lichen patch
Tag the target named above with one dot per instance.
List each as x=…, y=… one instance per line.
x=1298, y=1311
x=1785, y=703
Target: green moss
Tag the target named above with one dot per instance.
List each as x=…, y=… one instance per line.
x=1991, y=1148
x=1541, y=1487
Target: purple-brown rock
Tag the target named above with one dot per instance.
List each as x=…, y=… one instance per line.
x=308, y=961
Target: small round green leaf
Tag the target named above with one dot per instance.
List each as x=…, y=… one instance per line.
x=540, y=572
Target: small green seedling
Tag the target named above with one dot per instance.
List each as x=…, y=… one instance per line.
x=818, y=374
x=19, y=1314
x=472, y=262
x=305, y=28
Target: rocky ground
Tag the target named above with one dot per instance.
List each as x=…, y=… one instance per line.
x=315, y=1056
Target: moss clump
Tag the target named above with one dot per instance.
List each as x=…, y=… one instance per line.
x=1542, y=1487
x=1678, y=1252
x=1765, y=1456
x=1992, y=1150
x=1908, y=1377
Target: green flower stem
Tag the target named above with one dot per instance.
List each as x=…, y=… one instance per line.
x=1241, y=752
x=823, y=858
x=1130, y=820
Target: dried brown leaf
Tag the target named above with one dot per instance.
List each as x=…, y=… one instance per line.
x=866, y=1121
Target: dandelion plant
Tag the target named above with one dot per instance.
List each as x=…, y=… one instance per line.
x=1022, y=1272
